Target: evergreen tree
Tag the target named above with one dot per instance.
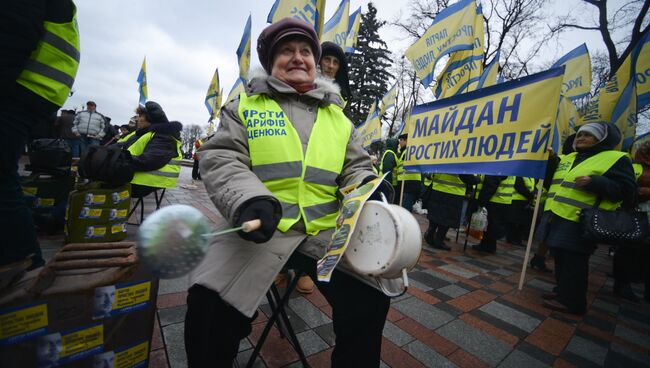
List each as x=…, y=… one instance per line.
x=369, y=66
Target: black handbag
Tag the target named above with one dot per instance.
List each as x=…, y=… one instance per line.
x=49, y=154
x=619, y=227
x=110, y=164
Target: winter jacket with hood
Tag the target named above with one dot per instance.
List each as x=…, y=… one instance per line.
x=616, y=184
x=160, y=149
x=89, y=123
x=239, y=270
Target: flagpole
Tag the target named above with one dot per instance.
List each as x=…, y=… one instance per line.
x=530, y=234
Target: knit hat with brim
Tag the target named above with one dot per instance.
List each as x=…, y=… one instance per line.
x=272, y=35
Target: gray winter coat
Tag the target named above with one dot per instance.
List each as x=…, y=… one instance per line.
x=242, y=271
x=89, y=123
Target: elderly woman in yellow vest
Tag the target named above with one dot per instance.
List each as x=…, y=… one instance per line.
x=283, y=150
x=595, y=171
x=156, y=150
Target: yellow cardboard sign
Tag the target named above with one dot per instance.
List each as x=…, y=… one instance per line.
x=351, y=208
x=132, y=357
x=118, y=299
x=60, y=348
x=22, y=323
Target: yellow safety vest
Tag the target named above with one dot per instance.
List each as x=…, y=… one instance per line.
x=407, y=175
x=504, y=192
x=569, y=200
x=305, y=184
x=126, y=137
x=53, y=65
x=381, y=166
x=427, y=182
x=166, y=176
x=530, y=184
x=448, y=183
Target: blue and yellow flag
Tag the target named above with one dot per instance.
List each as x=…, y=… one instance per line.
x=353, y=31
x=567, y=118
x=142, y=82
x=577, y=77
x=464, y=68
x=388, y=100
x=370, y=130
x=452, y=30
x=213, y=96
x=643, y=71
x=244, y=50
x=237, y=88
x=336, y=29
x=624, y=115
x=490, y=75
x=499, y=130
x=310, y=11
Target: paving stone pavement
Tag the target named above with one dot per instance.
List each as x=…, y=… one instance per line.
x=463, y=310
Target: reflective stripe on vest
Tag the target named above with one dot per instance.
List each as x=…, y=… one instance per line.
x=448, y=183
x=568, y=200
x=305, y=184
x=53, y=65
x=638, y=171
x=126, y=137
x=404, y=175
x=381, y=165
x=530, y=184
x=166, y=176
x=504, y=192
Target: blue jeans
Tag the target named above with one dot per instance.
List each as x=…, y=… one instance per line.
x=16, y=223
x=75, y=147
x=86, y=141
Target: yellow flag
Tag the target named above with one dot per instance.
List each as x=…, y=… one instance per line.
x=624, y=115
x=213, y=96
x=464, y=68
x=336, y=29
x=452, y=30
x=577, y=75
x=388, y=100
x=502, y=130
x=244, y=50
x=310, y=11
x=237, y=88
x=643, y=71
x=601, y=106
x=370, y=130
x=490, y=75
x=353, y=31
x=142, y=82
x=567, y=117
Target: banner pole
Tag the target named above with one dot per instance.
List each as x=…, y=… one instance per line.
x=401, y=194
x=540, y=183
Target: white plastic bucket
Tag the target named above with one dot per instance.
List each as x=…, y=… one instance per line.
x=386, y=240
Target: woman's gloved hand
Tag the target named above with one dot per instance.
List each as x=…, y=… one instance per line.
x=265, y=211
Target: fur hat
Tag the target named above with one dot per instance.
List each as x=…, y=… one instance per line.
x=272, y=35
x=155, y=113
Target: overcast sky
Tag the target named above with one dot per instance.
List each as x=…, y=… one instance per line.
x=184, y=42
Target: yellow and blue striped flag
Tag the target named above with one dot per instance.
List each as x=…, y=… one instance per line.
x=643, y=71
x=310, y=11
x=353, y=31
x=452, y=30
x=236, y=89
x=142, y=82
x=336, y=29
x=370, y=130
x=244, y=50
x=624, y=115
x=388, y=100
x=490, y=75
x=213, y=96
x=464, y=68
x=577, y=74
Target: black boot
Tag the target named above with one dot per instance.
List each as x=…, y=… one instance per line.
x=537, y=263
x=624, y=290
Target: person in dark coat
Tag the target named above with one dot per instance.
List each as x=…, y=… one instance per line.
x=21, y=31
x=162, y=147
x=334, y=65
x=63, y=126
x=519, y=211
x=444, y=210
x=497, y=214
x=563, y=236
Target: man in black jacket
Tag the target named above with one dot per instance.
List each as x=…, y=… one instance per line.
x=24, y=104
